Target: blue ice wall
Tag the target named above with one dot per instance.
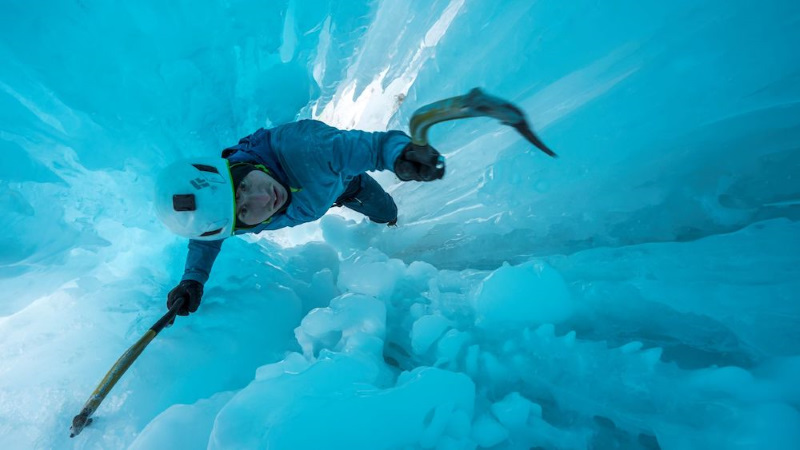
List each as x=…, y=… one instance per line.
x=639, y=291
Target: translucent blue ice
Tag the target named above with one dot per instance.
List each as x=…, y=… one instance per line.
x=641, y=291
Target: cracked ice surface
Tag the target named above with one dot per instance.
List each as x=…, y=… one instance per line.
x=639, y=292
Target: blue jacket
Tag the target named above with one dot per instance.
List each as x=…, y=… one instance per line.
x=316, y=160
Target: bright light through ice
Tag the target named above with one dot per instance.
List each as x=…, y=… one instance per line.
x=372, y=108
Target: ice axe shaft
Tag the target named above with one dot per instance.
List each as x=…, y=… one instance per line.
x=475, y=103
x=82, y=420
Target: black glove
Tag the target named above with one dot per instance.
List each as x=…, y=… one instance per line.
x=419, y=163
x=191, y=290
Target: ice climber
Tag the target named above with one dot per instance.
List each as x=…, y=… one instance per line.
x=281, y=177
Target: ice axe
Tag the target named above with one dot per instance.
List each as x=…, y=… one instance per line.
x=475, y=103
x=82, y=420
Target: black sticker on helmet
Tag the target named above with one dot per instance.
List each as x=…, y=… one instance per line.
x=184, y=202
x=211, y=233
x=206, y=168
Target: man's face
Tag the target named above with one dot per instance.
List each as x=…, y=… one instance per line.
x=258, y=197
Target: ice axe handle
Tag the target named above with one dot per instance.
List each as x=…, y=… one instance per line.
x=82, y=420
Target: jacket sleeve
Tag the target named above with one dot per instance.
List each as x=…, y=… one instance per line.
x=355, y=152
x=200, y=259
x=347, y=152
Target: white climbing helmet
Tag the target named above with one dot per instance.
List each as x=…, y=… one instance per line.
x=195, y=198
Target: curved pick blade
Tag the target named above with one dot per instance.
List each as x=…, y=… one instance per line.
x=476, y=103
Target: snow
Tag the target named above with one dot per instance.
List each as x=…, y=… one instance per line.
x=640, y=291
